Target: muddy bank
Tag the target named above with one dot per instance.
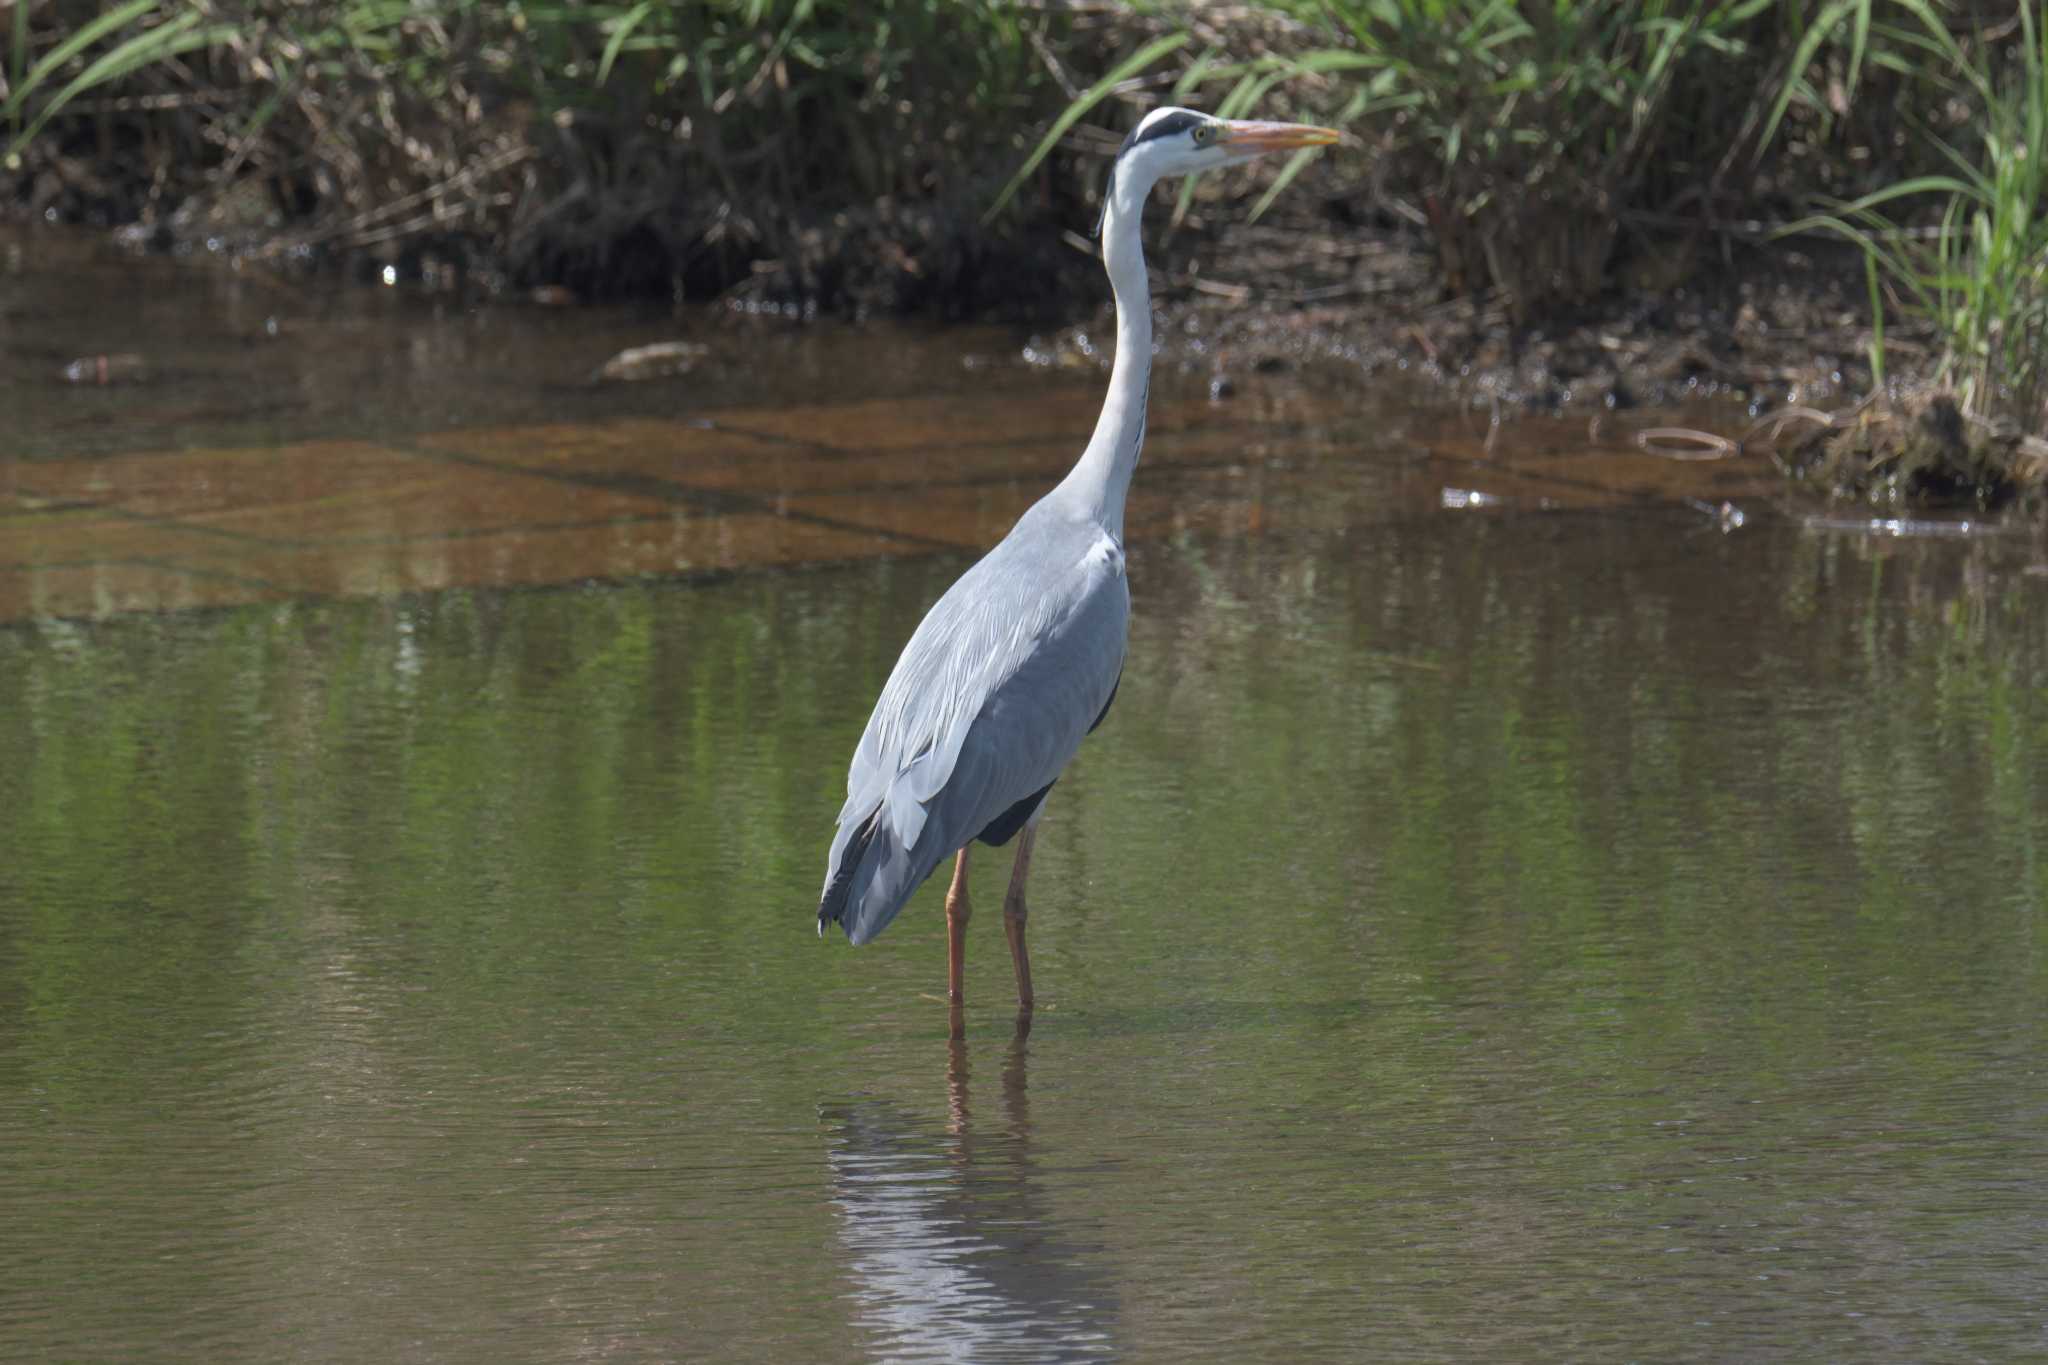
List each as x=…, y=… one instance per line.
x=844, y=160
x=1917, y=446
x=1755, y=328
x=1535, y=223
x=1760, y=329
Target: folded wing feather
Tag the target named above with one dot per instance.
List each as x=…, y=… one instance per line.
x=986, y=705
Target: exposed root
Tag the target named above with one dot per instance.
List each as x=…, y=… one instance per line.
x=1919, y=448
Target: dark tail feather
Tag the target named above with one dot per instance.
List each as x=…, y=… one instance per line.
x=833, y=904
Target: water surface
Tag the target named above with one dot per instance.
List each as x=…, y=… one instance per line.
x=1556, y=928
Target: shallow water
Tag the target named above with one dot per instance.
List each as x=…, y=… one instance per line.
x=1552, y=927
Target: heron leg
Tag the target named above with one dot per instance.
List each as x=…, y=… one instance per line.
x=957, y=914
x=1014, y=913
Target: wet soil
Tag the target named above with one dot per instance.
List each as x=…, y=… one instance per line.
x=1768, y=328
x=1778, y=332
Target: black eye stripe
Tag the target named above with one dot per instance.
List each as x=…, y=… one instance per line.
x=1179, y=121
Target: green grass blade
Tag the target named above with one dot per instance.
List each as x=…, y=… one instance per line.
x=1249, y=90
x=1924, y=184
x=1130, y=66
x=1202, y=69
x=173, y=39
x=622, y=29
x=1296, y=164
x=86, y=36
x=1859, y=42
x=17, y=61
x=1802, y=57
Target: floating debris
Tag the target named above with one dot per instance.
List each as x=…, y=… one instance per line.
x=119, y=367
x=1726, y=514
x=1685, y=443
x=657, y=361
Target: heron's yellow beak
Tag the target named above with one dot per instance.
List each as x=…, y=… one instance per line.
x=1256, y=139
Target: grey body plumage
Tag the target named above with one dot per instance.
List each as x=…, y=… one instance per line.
x=987, y=705
x=1018, y=660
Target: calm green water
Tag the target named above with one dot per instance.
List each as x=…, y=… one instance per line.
x=1551, y=936
x=1504, y=935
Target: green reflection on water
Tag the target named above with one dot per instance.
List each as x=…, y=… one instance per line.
x=1549, y=934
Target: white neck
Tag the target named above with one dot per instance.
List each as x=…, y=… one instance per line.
x=1102, y=476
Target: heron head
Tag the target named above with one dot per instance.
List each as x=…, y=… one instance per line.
x=1172, y=141
x=1180, y=142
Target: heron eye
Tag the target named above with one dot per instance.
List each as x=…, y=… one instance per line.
x=1203, y=132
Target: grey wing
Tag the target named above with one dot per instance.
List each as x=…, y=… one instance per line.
x=989, y=702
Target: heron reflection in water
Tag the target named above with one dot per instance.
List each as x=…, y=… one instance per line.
x=1020, y=659
x=951, y=1245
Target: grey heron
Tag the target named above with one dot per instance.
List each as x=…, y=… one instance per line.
x=1019, y=660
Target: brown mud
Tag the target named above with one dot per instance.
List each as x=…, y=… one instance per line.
x=1766, y=328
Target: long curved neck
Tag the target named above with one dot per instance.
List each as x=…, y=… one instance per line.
x=1102, y=476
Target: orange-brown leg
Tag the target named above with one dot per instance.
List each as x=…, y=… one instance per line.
x=957, y=913
x=1014, y=913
